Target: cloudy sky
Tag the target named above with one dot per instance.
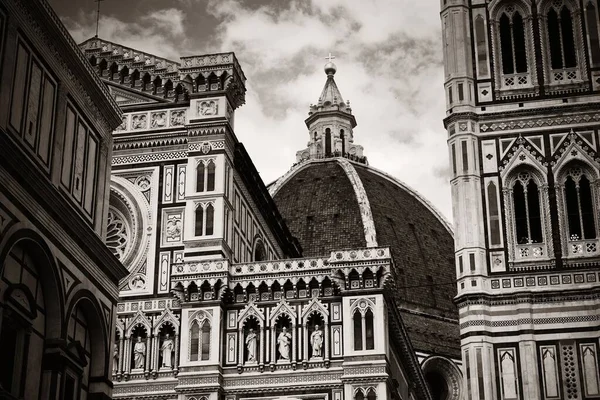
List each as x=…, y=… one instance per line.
x=388, y=54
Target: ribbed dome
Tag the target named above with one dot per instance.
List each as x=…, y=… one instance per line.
x=334, y=204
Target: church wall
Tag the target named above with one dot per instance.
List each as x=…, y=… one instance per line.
x=55, y=122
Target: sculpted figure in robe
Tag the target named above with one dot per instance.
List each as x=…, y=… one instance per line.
x=115, y=358
x=139, y=353
x=251, y=345
x=316, y=341
x=167, y=351
x=283, y=341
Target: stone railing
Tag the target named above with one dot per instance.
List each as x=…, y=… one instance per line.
x=583, y=248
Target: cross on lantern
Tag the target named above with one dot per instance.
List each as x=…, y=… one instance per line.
x=329, y=57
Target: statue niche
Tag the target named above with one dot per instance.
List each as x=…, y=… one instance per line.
x=251, y=341
x=316, y=338
x=283, y=331
x=167, y=347
x=138, y=355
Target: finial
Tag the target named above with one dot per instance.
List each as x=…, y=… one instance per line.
x=330, y=67
x=97, y=16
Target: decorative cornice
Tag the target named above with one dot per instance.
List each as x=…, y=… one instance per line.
x=67, y=51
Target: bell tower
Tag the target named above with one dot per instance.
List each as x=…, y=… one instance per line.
x=330, y=124
x=522, y=87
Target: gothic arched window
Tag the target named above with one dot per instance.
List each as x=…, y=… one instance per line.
x=359, y=395
x=327, y=142
x=512, y=41
x=259, y=251
x=591, y=19
x=210, y=219
x=205, y=341
x=580, y=205
x=205, y=176
x=528, y=234
x=363, y=327
x=358, y=338
x=194, y=341
x=369, y=331
x=200, y=340
x=526, y=202
x=200, y=171
x=199, y=222
x=210, y=178
x=343, y=137
x=561, y=37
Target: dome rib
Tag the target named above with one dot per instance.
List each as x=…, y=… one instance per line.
x=362, y=198
x=363, y=202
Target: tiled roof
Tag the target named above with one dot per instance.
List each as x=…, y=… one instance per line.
x=320, y=207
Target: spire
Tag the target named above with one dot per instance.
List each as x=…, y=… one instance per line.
x=331, y=99
x=330, y=124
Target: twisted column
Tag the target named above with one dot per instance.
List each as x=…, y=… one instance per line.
x=261, y=357
x=326, y=339
x=149, y=341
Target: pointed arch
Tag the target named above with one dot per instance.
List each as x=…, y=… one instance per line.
x=578, y=198
x=114, y=69
x=200, y=82
x=512, y=45
x=168, y=88
x=123, y=74
x=200, y=176
x=134, y=77
x=210, y=219
x=213, y=82
x=146, y=79
x=210, y=175
x=86, y=318
x=593, y=30
x=199, y=221
x=179, y=90
x=157, y=84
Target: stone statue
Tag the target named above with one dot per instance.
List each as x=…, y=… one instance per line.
x=167, y=351
x=316, y=341
x=115, y=358
x=158, y=120
x=251, y=345
x=283, y=341
x=139, y=353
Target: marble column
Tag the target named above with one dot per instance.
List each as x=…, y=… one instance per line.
x=127, y=357
x=364, y=332
x=299, y=342
x=273, y=345
x=121, y=355
x=293, y=355
x=305, y=342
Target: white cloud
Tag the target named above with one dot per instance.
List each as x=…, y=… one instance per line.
x=156, y=32
x=389, y=67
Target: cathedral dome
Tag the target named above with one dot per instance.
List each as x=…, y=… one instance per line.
x=334, y=203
